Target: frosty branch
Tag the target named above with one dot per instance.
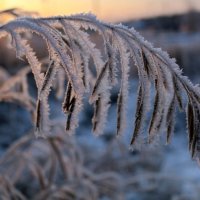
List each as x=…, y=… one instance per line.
x=71, y=51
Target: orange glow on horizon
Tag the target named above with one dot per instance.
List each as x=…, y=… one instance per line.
x=109, y=10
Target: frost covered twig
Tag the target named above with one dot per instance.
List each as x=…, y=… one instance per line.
x=71, y=50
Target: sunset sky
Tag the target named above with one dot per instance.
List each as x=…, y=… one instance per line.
x=109, y=10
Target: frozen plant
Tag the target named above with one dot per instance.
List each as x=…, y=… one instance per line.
x=71, y=52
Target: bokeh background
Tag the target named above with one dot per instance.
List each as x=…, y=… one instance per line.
x=162, y=172
x=109, y=10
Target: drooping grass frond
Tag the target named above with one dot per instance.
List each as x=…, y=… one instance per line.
x=15, y=89
x=96, y=70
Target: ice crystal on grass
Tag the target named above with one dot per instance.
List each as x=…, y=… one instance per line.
x=71, y=52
